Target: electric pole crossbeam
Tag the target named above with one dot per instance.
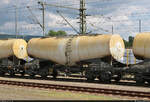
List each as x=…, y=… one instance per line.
x=81, y=10
x=61, y=6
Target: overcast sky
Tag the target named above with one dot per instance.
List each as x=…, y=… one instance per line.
x=123, y=15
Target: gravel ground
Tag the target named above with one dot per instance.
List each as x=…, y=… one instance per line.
x=95, y=85
x=9, y=92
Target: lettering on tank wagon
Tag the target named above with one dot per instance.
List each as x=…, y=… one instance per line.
x=117, y=50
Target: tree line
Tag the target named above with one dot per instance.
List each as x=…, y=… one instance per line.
x=56, y=33
x=128, y=44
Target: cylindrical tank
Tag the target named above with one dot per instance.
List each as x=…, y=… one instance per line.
x=141, y=45
x=80, y=47
x=10, y=47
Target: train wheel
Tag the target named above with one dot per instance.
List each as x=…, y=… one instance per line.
x=2, y=73
x=32, y=75
x=105, y=77
x=11, y=73
x=89, y=79
x=89, y=76
x=139, y=80
x=22, y=73
x=99, y=78
x=117, y=79
x=148, y=82
x=55, y=74
x=44, y=76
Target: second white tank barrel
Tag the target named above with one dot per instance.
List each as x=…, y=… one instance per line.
x=80, y=47
x=89, y=47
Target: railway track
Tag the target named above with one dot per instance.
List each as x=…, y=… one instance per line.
x=80, y=89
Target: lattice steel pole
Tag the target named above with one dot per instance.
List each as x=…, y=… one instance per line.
x=43, y=12
x=82, y=17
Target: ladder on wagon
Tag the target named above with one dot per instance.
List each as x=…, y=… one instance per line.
x=68, y=55
x=68, y=51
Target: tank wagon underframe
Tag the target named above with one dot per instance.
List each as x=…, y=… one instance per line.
x=94, y=68
x=12, y=66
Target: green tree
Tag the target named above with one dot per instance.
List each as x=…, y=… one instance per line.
x=56, y=33
x=128, y=44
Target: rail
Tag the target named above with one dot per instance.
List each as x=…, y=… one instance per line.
x=138, y=94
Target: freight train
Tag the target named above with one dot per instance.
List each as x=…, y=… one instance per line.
x=98, y=56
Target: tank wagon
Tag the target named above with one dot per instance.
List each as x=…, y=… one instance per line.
x=12, y=54
x=77, y=54
x=97, y=56
x=141, y=50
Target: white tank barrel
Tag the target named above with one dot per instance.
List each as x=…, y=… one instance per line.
x=141, y=45
x=13, y=47
x=77, y=48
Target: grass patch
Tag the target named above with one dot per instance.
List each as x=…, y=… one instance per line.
x=76, y=95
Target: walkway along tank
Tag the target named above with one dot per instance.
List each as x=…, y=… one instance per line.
x=12, y=53
x=77, y=52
